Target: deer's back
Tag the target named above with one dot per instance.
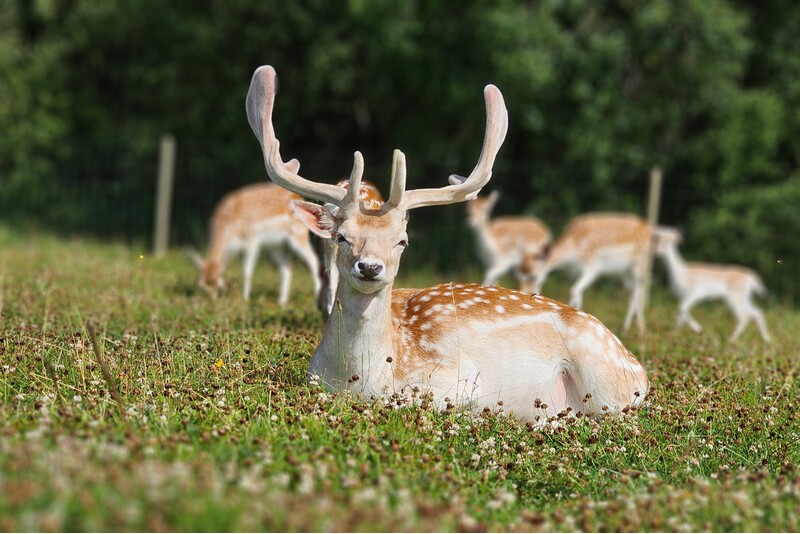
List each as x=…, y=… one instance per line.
x=594, y=235
x=515, y=233
x=241, y=212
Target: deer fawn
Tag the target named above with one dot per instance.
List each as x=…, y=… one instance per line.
x=246, y=220
x=329, y=275
x=597, y=244
x=473, y=345
x=695, y=282
x=504, y=243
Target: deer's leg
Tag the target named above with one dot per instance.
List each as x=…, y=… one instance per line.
x=635, y=305
x=587, y=278
x=540, y=278
x=309, y=257
x=685, y=316
x=760, y=320
x=758, y=315
x=282, y=260
x=496, y=271
x=744, y=310
x=249, y=267
x=741, y=323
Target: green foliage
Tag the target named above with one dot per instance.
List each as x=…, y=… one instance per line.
x=598, y=94
x=218, y=429
x=750, y=227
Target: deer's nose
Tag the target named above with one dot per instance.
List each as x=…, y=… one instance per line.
x=369, y=270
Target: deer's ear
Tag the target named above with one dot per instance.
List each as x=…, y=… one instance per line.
x=317, y=218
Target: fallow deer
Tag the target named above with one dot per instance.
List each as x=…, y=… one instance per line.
x=695, y=282
x=472, y=345
x=504, y=242
x=598, y=244
x=246, y=220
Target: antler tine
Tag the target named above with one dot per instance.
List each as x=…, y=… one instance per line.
x=353, y=192
x=463, y=189
x=398, y=185
x=259, y=104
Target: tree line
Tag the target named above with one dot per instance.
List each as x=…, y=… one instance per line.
x=598, y=93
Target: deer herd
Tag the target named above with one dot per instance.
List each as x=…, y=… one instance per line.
x=465, y=344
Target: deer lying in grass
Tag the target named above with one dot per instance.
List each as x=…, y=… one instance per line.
x=695, y=282
x=246, y=220
x=467, y=344
x=329, y=275
x=598, y=244
x=504, y=242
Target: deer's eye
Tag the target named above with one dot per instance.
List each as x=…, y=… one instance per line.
x=402, y=243
x=340, y=238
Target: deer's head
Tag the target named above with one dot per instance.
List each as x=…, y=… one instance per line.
x=210, y=280
x=369, y=241
x=479, y=210
x=666, y=238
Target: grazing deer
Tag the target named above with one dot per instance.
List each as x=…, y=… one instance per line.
x=598, y=244
x=246, y=220
x=695, y=282
x=372, y=199
x=504, y=243
x=471, y=345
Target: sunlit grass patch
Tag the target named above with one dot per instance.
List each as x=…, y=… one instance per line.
x=218, y=428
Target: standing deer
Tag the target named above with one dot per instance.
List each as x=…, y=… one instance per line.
x=598, y=244
x=246, y=220
x=329, y=275
x=695, y=282
x=504, y=243
x=469, y=344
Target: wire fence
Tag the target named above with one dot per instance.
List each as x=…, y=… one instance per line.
x=107, y=190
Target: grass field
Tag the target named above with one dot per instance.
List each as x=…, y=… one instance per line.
x=132, y=402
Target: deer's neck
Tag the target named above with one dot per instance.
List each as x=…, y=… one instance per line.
x=217, y=248
x=676, y=266
x=357, y=341
x=486, y=243
x=560, y=254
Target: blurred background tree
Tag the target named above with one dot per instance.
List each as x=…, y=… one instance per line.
x=598, y=93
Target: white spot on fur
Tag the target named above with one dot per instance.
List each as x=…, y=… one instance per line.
x=513, y=297
x=527, y=306
x=425, y=343
x=499, y=309
x=628, y=364
x=600, y=330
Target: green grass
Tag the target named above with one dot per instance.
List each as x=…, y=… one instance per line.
x=217, y=429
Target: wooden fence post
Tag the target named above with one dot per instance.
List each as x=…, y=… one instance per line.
x=166, y=173
x=653, y=205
